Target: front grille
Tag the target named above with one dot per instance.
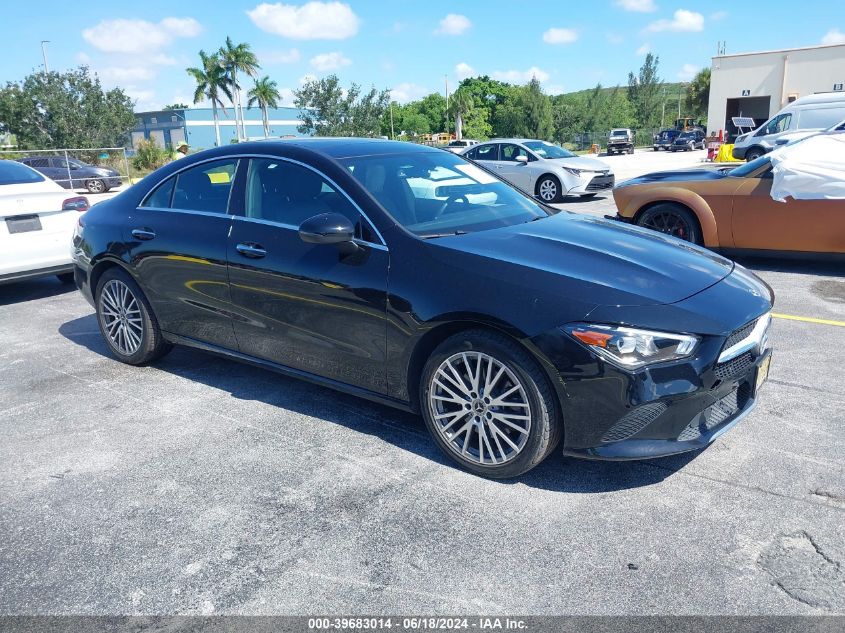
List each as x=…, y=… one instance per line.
x=734, y=367
x=739, y=335
x=601, y=183
x=634, y=421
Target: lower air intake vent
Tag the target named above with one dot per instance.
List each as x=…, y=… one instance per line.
x=634, y=421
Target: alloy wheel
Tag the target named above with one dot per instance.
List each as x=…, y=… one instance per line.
x=669, y=223
x=548, y=190
x=480, y=408
x=121, y=317
x=95, y=186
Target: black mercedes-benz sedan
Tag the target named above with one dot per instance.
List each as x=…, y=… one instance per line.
x=413, y=277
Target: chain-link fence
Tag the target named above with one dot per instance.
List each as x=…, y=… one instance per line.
x=583, y=141
x=92, y=170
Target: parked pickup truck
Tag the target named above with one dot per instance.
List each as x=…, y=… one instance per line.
x=620, y=141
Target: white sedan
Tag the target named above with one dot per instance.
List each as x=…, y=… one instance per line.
x=37, y=220
x=543, y=169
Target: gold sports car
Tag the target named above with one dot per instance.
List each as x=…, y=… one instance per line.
x=732, y=210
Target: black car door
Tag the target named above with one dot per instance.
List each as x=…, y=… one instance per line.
x=307, y=306
x=177, y=246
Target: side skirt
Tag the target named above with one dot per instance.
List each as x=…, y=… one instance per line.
x=176, y=339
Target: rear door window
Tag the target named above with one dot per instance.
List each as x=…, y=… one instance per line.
x=487, y=152
x=205, y=187
x=820, y=118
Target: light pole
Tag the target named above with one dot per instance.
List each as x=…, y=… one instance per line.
x=44, y=55
x=446, y=78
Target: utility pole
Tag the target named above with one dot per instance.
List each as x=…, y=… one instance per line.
x=680, y=88
x=44, y=55
x=446, y=78
x=663, y=115
x=392, y=137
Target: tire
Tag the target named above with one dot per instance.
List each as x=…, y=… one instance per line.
x=66, y=278
x=133, y=336
x=672, y=219
x=551, y=186
x=530, y=441
x=631, y=150
x=753, y=154
x=96, y=185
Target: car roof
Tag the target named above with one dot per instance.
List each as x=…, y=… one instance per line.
x=339, y=147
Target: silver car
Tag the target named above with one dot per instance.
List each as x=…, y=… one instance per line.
x=543, y=169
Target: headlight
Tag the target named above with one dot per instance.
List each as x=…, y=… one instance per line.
x=630, y=348
x=573, y=171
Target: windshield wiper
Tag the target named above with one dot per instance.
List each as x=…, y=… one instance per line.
x=433, y=235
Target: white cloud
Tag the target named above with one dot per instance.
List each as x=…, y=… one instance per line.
x=554, y=89
x=638, y=6
x=834, y=36
x=560, y=36
x=144, y=99
x=688, y=71
x=311, y=21
x=325, y=62
x=464, y=70
x=181, y=27
x=275, y=58
x=643, y=50
x=405, y=92
x=306, y=78
x=286, y=96
x=683, y=20
x=138, y=36
x=83, y=58
x=453, y=24
x=521, y=76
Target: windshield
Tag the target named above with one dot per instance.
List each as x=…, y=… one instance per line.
x=12, y=173
x=619, y=133
x=437, y=194
x=749, y=168
x=544, y=149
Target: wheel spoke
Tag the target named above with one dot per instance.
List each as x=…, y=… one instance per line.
x=461, y=402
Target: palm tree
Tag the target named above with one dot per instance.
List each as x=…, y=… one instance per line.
x=237, y=59
x=211, y=84
x=460, y=103
x=266, y=95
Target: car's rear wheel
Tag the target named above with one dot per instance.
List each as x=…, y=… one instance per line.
x=95, y=185
x=671, y=219
x=548, y=189
x=126, y=319
x=488, y=405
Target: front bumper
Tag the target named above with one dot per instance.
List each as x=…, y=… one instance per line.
x=739, y=152
x=593, y=182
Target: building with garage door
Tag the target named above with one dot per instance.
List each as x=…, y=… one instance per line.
x=196, y=126
x=758, y=85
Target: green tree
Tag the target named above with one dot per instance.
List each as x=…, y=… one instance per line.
x=461, y=104
x=212, y=83
x=70, y=109
x=698, y=94
x=266, y=94
x=238, y=59
x=433, y=108
x=644, y=92
x=327, y=111
x=175, y=106
x=538, y=111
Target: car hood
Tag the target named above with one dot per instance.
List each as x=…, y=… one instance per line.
x=579, y=162
x=590, y=260
x=676, y=176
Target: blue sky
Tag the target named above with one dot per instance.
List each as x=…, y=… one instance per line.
x=406, y=45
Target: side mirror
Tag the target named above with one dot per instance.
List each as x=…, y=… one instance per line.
x=522, y=159
x=329, y=228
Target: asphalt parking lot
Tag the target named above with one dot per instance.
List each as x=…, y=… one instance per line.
x=199, y=486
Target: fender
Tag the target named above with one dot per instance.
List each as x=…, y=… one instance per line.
x=655, y=195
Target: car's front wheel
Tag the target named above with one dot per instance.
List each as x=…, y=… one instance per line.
x=672, y=219
x=95, y=185
x=548, y=189
x=753, y=154
x=488, y=405
x=126, y=319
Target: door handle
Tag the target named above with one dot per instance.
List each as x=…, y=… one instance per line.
x=143, y=234
x=253, y=251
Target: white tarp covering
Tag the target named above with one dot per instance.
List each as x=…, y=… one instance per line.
x=812, y=169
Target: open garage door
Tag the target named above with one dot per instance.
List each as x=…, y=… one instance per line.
x=755, y=107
